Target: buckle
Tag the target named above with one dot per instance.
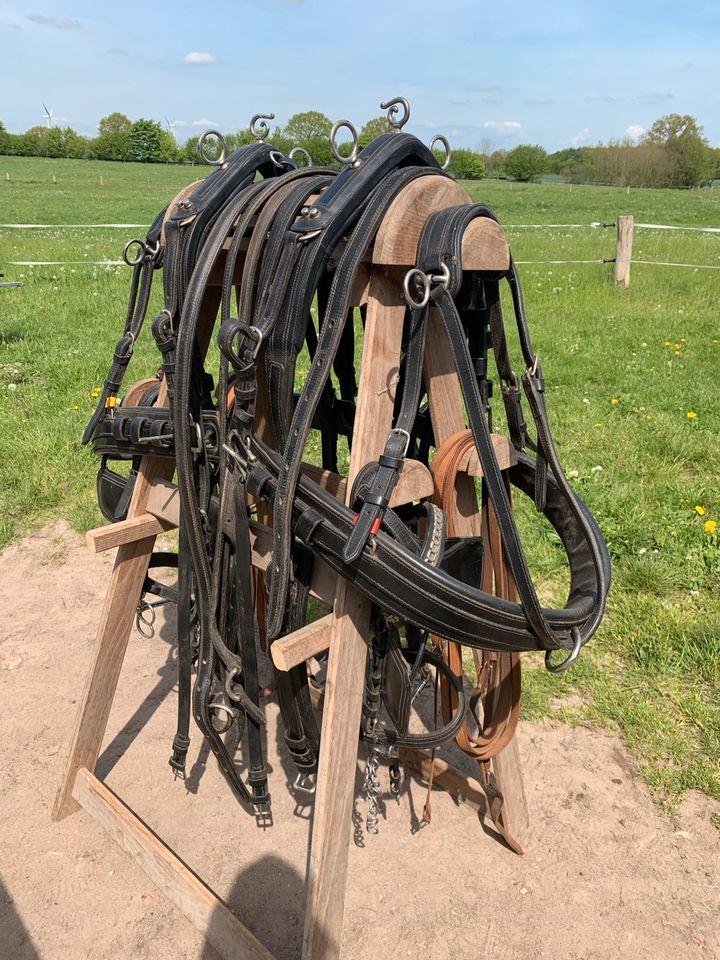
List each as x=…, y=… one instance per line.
x=231, y=331
x=305, y=783
x=406, y=436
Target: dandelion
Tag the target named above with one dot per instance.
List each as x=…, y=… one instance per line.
x=615, y=401
x=691, y=415
x=574, y=474
x=95, y=392
x=596, y=469
x=648, y=417
x=667, y=343
x=600, y=424
x=710, y=526
x=700, y=511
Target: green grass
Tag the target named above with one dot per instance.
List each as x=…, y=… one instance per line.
x=653, y=671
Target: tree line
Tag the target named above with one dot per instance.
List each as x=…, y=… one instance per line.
x=146, y=141
x=673, y=153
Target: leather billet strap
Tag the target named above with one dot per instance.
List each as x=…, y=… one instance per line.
x=140, y=289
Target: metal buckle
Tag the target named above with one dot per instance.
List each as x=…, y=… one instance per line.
x=406, y=435
x=243, y=463
x=305, y=783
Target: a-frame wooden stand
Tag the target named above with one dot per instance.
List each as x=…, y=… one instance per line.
x=154, y=509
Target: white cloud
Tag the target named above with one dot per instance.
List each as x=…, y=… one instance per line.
x=205, y=122
x=503, y=126
x=196, y=58
x=59, y=23
x=580, y=136
x=635, y=130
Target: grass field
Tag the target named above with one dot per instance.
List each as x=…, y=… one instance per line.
x=634, y=400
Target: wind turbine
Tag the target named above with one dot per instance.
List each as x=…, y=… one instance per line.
x=50, y=117
x=171, y=124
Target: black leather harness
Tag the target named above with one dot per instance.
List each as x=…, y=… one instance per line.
x=231, y=450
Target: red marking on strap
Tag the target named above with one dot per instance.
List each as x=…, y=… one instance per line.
x=356, y=518
x=375, y=527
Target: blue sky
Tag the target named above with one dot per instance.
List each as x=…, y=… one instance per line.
x=482, y=73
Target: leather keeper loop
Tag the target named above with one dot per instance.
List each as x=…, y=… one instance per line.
x=307, y=525
x=375, y=500
x=392, y=463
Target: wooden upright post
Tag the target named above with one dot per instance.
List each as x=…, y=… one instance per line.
x=623, y=250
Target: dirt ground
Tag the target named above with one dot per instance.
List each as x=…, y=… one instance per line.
x=605, y=873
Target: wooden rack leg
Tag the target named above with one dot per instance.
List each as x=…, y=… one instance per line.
x=124, y=592
x=131, y=564
x=327, y=872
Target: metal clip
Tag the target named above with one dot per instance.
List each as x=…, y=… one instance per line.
x=142, y=250
x=425, y=282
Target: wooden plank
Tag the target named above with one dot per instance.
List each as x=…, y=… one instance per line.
x=203, y=908
x=327, y=868
x=397, y=245
x=125, y=531
x=131, y=564
x=308, y=641
x=484, y=246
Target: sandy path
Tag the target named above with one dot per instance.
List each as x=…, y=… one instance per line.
x=605, y=873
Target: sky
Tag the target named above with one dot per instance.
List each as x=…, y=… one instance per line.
x=486, y=75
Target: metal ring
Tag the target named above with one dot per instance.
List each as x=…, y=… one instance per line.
x=201, y=148
x=278, y=159
x=303, y=151
x=145, y=627
x=352, y=158
x=571, y=657
x=259, y=126
x=439, y=138
x=141, y=251
x=393, y=109
x=424, y=279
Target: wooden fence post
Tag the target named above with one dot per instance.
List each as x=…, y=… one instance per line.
x=623, y=250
